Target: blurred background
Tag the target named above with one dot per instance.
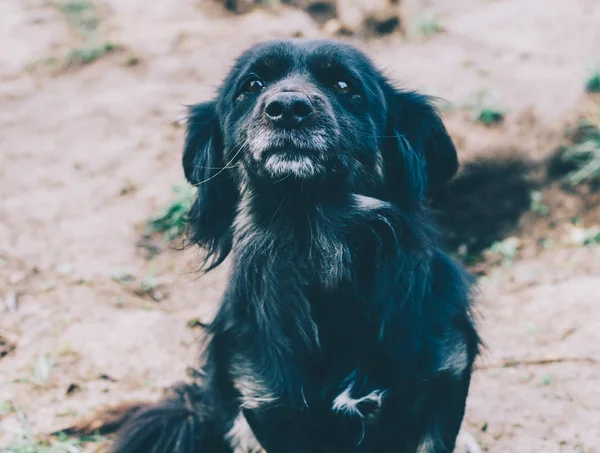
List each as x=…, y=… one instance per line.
x=97, y=303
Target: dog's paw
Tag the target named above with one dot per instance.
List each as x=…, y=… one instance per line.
x=466, y=443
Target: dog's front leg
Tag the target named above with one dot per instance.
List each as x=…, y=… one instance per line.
x=241, y=438
x=444, y=414
x=278, y=431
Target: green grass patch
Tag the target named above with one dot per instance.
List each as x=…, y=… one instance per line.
x=428, y=25
x=60, y=444
x=592, y=85
x=172, y=221
x=485, y=110
x=537, y=203
x=82, y=15
x=6, y=407
x=83, y=18
x=489, y=116
x=583, y=154
x=585, y=236
x=546, y=379
x=86, y=55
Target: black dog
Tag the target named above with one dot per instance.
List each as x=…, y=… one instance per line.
x=344, y=327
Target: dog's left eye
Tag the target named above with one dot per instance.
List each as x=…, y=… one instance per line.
x=253, y=86
x=341, y=86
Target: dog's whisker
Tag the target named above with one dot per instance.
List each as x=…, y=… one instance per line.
x=220, y=171
x=210, y=168
x=275, y=213
x=283, y=179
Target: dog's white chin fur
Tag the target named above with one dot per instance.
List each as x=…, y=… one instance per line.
x=303, y=167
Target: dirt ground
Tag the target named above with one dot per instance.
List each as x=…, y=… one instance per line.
x=88, y=152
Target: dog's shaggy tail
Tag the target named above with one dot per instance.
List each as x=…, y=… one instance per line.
x=104, y=422
x=183, y=422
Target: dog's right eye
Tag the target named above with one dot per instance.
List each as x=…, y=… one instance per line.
x=341, y=86
x=253, y=86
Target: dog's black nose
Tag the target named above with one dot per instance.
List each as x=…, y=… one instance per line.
x=288, y=109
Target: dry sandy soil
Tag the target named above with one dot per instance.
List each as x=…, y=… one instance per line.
x=88, y=152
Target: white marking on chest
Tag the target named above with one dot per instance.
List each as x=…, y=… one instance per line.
x=254, y=392
x=346, y=404
x=241, y=438
x=365, y=203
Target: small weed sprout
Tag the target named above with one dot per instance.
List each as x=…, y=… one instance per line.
x=546, y=380
x=537, y=203
x=489, y=116
x=428, y=25
x=592, y=85
x=485, y=110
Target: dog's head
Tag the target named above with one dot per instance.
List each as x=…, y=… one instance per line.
x=317, y=114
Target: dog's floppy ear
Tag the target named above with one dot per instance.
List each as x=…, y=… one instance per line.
x=212, y=214
x=417, y=129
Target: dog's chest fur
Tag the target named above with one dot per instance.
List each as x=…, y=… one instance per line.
x=325, y=330
x=311, y=336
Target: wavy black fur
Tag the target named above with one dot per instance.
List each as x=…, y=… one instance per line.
x=344, y=326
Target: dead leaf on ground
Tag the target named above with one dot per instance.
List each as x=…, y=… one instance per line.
x=6, y=346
